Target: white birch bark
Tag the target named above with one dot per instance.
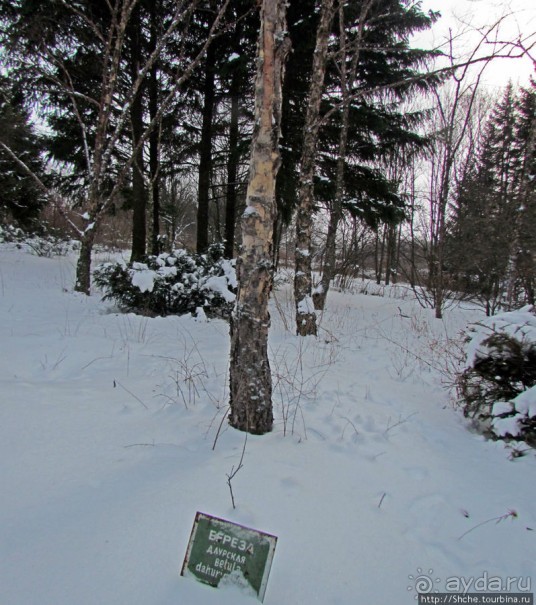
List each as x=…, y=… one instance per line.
x=250, y=376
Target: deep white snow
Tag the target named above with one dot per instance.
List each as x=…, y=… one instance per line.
x=372, y=481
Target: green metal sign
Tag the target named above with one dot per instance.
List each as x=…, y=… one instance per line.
x=218, y=549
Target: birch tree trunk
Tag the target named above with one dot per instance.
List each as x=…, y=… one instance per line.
x=83, y=264
x=250, y=377
x=305, y=313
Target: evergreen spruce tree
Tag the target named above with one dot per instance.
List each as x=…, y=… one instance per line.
x=21, y=200
x=76, y=58
x=522, y=265
x=491, y=232
x=224, y=89
x=302, y=23
x=239, y=43
x=366, y=128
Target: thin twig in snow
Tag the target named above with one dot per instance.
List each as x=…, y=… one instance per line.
x=116, y=382
x=511, y=514
x=234, y=471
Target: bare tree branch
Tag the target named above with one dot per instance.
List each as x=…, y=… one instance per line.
x=54, y=198
x=506, y=51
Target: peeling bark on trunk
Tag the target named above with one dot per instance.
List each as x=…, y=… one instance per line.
x=305, y=313
x=250, y=377
x=83, y=264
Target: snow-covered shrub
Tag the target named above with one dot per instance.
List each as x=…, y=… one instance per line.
x=498, y=385
x=41, y=244
x=172, y=284
x=50, y=245
x=10, y=233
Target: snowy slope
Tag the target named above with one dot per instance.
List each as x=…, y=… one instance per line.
x=370, y=480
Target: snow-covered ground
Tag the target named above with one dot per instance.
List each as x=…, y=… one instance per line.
x=371, y=480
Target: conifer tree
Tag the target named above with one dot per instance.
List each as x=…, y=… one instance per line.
x=365, y=129
x=21, y=199
x=305, y=313
x=491, y=247
x=522, y=261
x=74, y=56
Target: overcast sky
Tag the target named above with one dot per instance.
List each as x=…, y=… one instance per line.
x=464, y=15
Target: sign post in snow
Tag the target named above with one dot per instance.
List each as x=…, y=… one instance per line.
x=223, y=552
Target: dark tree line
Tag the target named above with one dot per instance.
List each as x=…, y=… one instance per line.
x=470, y=206
x=491, y=241
x=109, y=80
x=21, y=198
x=138, y=95
x=149, y=105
